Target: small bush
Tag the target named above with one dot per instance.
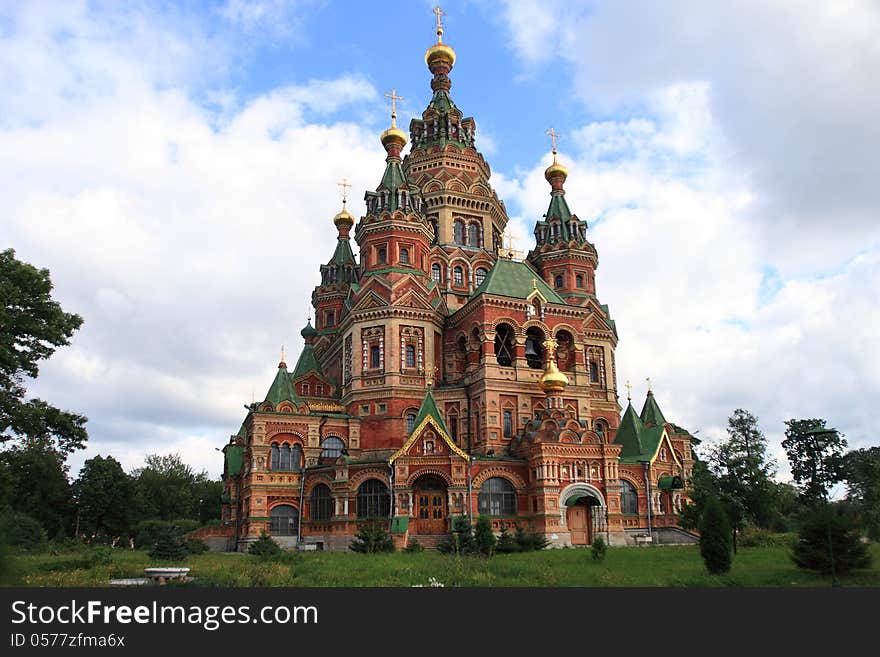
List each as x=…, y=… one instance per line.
x=413, y=546
x=715, y=538
x=23, y=533
x=100, y=555
x=813, y=551
x=195, y=546
x=506, y=542
x=461, y=541
x=372, y=536
x=756, y=537
x=484, y=538
x=265, y=547
x=598, y=549
x=530, y=541
x=168, y=546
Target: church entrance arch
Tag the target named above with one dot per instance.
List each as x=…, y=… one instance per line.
x=584, y=512
x=429, y=495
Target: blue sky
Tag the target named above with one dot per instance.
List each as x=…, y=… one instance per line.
x=174, y=165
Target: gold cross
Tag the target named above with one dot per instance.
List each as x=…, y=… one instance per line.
x=394, y=97
x=282, y=353
x=439, y=13
x=553, y=137
x=628, y=390
x=649, y=383
x=507, y=246
x=345, y=185
x=535, y=283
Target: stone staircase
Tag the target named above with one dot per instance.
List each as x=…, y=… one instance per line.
x=429, y=541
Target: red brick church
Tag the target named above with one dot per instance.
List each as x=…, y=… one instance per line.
x=447, y=376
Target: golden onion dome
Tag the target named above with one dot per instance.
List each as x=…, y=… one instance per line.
x=343, y=219
x=439, y=52
x=393, y=135
x=555, y=170
x=553, y=380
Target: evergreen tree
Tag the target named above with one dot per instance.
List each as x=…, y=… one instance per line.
x=372, y=536
x=461, y=541
x=829, y=541
x=862, y=474
x=598, y=549
x=484, y=538
x=506, y=542
x=815, y=455
x=33, y=326
x=168, y=547
x=265, y=547
x=715, y=538
x=744, y=473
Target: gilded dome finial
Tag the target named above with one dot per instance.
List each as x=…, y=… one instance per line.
x=344, y=221
x=555, y=173
x=553, y=381
x=440, y=58
x=393, y=139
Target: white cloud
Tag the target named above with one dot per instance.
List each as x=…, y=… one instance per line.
x=178, y=234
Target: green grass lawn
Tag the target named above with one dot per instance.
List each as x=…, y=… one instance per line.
x=649, y=566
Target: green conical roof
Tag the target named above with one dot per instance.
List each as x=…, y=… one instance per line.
x=282, y=388
x=307, y=362
x=429, y=408
x=651, y=413
x=638, y=441
x=510, y=278
x=343, y=254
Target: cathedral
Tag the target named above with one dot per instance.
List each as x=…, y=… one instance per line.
x=448, y=376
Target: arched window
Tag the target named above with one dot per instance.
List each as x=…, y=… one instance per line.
x=579, y=281
x=458, y=276
x=404, y=256
x=458, y=232
x=296, y=458
x=276, y=457
x=594, y=372
x=375, y=360
x=381, y=257
x=629, y=499
x=410, y=422
x=534, y=348
x=508, y=424
x=599, y=426
x=410, y=356
x=557, y=281
x=473, y=235
x=436, y=273
x=554, y=230
x=452, y=423
x=373, y=499
x=332, y=447
x=321, y=503
x=504, y=345
x=284, y=461
x=283, y=520
x=497, y=498
x=480, y=275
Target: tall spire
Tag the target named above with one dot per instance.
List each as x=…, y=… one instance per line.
x=344, y=221
x=393, y=139
x=440, y=57
x=559, y=224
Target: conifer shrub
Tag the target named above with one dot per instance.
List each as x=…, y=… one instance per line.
x=814, y=551
x=195, y=546
x=506, y=542
x=715, y=541
x=461, y=541
x=414, y=546
x=484, y=537
x=265, y=547
x=598, y=549
x=372, y=536
x=168, y=546
x=530, y=541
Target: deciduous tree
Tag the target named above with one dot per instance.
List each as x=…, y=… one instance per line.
x=815, y=455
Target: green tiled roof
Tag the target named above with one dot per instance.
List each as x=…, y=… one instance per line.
x=307, y=362
x=233, y=459
x=651, y=413
x=282, y=389
x=343, y=254
x=671, y=482
x=429, y=407
x=510, y=278
x=638, y=441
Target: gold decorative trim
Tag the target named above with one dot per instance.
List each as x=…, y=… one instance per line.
x=418, y=431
